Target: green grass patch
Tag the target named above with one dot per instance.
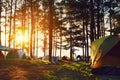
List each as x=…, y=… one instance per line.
x=72, y=71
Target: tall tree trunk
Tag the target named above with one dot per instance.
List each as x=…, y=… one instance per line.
x=6, y=24
x=61, y=13
x=0, y=19
x=92, y=23
x=54, y=40
x=110, y=17
x=37, y=30
x=53, y=53
x=56, y=45
x=102, y=24
x=32, y=29
x=14, y=24
x=50, y=28
x=84, y=37
x=37, y=41
x=87, y=43
x=29, y=35
x=71, y=46
x=10, y=29
x=45, y=43
x=23, y=23
x=0, y=24
x=60, y=42
x=98, y=19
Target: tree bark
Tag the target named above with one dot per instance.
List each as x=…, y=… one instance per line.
x=92, y=23
x=14, y=24
x=32, y=29
x=0, y=19
x=98, y=19
x=10, y=24
x=50, y=28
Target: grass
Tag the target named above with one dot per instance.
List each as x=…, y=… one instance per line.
x=44, y=70
x=72, y=71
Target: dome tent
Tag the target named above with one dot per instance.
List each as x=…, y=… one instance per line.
x=15, y=54
x=105, y=55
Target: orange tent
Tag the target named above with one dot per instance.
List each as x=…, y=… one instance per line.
x=105, y=55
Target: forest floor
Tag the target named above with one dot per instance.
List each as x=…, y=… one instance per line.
x=44, y=70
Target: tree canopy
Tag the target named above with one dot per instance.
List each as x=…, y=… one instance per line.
x=51, y=26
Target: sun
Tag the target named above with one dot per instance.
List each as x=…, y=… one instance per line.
x=20, y=38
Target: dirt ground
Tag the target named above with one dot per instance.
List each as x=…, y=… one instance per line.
x=20, y=70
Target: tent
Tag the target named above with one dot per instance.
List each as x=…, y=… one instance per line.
x=15, y=54
x=105, y=55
